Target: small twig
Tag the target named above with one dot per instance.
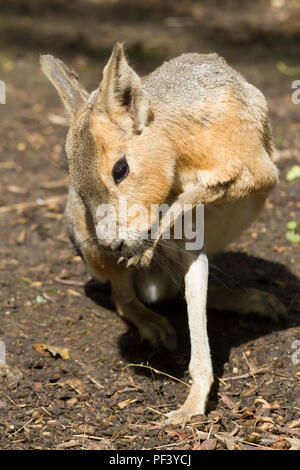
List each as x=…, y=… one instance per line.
x=69, y=283
x=58, y=120
x=46, y=296
x=158, y=372
x=154, y=425
x=12, y=401
x=283, y=376
x=156, y=411
x=158, y=391
x=27, y=205
x=250, y=368
x=236, y=439
x=46, y=411
x=220, y=380
x=95, y=382
x=24, y=426
x=236, y=430
x=286, y=429
x=54, y=184
x=85, y=436
x=197, y=423
x=244, y=376
x=5, y=165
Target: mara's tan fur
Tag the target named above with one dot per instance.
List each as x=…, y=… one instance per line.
x=194, y=131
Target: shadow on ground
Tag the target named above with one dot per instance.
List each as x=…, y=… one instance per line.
x=226, y=330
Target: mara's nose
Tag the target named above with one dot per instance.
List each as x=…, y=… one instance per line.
x=111, y=244
x=117, y=245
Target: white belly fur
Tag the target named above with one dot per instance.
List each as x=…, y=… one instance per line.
x=225, y=223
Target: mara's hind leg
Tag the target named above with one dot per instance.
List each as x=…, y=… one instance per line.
x=246, y=301
x=151, y=326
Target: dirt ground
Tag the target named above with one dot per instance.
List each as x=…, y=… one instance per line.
x=100, y=397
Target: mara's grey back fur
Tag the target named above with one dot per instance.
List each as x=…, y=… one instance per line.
x=192, y=77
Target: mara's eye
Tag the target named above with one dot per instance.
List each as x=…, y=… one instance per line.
x=120, y=170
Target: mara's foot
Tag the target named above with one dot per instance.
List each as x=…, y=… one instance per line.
x=157, y=330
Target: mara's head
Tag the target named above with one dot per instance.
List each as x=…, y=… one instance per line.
x=116, y=150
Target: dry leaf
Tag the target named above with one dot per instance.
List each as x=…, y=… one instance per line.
x=248, y=414
x=265, y=419
x=295, y=443
x=104, y=444
x=209, y=444
x=175, y=433
x=249, y=392
x=229, y=443
x=271, y=406
x=196, y=446
x=53, y=350
x=253, y=437
x=66, y=445
x=236, y=407
x=294, y=424
x=77, y=385
x=281, y=443
x=228, y=402
x=265, y=427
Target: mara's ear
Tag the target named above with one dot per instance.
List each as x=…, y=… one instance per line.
x=66, y=82
x=121, y=91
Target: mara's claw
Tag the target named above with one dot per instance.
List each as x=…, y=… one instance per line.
x=133, y=261
x=146, y=258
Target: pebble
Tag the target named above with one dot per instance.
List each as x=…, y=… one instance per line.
x=72, y=402
x=37, y=387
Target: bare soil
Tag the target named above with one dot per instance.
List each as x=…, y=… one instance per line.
x=101, y=397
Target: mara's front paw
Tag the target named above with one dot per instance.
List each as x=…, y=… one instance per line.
x=142, y=260
x=159, y=332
